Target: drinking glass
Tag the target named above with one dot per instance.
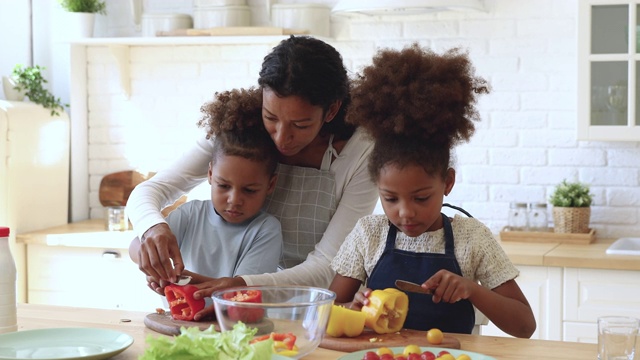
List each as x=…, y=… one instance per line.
x=617, y=337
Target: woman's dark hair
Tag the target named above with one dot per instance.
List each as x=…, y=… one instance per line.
x=313, y=70
x=234, y=118
x=416, y=105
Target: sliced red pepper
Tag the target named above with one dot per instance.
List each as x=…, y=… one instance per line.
x=288, y=339
x=244, y=314
x=181, y=302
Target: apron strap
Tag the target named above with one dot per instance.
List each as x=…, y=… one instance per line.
x=457, y=208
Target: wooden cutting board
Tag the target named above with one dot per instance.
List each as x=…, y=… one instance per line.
x=403, y=338
x=164, y=324
x=115, y=188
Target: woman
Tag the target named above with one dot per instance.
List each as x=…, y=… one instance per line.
x=323, y=185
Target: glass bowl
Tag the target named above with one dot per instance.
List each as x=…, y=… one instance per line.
x=299, y=310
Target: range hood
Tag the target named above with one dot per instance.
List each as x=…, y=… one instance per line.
x=403, y=7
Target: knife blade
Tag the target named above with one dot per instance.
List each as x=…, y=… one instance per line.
x=412, y=287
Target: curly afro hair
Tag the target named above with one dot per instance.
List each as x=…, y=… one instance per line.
x=416, y=105
x=234, y=119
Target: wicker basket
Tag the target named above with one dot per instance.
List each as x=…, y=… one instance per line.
x=571, y=219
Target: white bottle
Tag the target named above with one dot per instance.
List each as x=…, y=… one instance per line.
x=8, y=310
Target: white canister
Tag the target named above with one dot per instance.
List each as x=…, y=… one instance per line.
x=202, y=3
x=315, y=18
x=221, y=16
x=152, y=23
x=8, y=308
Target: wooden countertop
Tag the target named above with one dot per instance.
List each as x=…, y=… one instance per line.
x=45, y=316
x=92, y=233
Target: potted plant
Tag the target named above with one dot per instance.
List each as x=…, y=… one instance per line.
x=571, y=207
x=29, y=79
x=81, y=16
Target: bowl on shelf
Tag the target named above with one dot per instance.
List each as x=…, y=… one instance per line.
x=298, y=310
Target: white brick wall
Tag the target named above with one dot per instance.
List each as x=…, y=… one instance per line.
x=525, y=144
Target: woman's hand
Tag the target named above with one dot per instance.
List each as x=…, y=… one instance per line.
x=156, y=285
x=207, y=288
x=449, y=287
x=159, y=255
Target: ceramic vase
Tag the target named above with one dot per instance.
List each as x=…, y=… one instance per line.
x=11, y=94
x=80, y=25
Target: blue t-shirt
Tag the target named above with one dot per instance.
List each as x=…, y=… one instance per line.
x=212, y=247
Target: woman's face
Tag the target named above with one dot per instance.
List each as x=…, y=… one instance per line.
x=412, y=199
x=292, y=122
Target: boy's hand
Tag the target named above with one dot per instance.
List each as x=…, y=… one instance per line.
x=449, y=287
x=159, y=255
x=156, y=285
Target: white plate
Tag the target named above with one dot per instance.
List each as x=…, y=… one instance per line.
x=358, y=355
x=63, y=343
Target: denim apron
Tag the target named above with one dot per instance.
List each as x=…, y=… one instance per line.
x=423, y=314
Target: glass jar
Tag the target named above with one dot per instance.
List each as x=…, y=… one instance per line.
x=538, y=217
x=518, y=219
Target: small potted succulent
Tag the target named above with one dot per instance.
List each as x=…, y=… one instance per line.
x=29, y=80
x=81, y=16
x=571, y=207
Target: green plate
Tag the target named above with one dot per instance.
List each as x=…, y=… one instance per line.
x=63, y=343
x=358, y=355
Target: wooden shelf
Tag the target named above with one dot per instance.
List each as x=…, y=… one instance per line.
x=547, y=236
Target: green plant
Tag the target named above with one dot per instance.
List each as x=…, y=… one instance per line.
x=85, y=6
x=573, y=194
x=29, y=79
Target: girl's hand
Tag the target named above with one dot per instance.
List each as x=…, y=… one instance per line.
x=360, y=299
x=449, y=287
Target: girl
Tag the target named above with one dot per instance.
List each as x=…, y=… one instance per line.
x=417, y=105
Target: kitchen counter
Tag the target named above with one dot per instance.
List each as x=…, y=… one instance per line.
x=132, y=323
x=92, y=233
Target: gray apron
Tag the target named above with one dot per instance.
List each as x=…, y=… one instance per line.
x=304, y=201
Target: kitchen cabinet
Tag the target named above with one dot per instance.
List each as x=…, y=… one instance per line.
x=542, y=286
x=590, y=293
x=608, y=70
x=87, y=277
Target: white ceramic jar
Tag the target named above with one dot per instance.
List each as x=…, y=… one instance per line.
x=206, y=17
x=315, y=18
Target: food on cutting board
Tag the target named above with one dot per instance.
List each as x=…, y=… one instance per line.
x=181, y=302
x=411, y=352
x=245, y=314
x=435, y=336
x=386, y=311
x=345, y=322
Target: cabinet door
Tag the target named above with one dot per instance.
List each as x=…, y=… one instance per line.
x=608, y=70
x=87, y=277
x=543, y=288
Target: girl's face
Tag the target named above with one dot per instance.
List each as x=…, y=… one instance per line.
x=412, y=199
x=292, y=122
x=239, y=187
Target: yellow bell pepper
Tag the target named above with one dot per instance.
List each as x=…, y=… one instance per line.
x=345, y=322
x=386, y=311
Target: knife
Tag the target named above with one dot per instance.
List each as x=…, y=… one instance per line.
x=412, y=287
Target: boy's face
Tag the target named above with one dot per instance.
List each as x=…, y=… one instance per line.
x=239, y=187
x=412, y=199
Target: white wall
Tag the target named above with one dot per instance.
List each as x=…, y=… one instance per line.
x=525, y=144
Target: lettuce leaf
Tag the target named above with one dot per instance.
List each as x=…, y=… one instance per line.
x=194, y=344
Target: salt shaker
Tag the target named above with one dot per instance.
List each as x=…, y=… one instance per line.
x=538, y=218
x=8, y=309
x=518, y=216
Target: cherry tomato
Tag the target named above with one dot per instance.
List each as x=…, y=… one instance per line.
x=427, y=355
x=443, y=352
x=399, y=357
x=370, y=355
x=463, y=357
x=386, y=357
x=384, y=350
x=411, y=349
x=414, y=356
x=435, y=336
x=446, y=357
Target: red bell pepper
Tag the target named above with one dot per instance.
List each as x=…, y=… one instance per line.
x=181, y=302
x=245, y=314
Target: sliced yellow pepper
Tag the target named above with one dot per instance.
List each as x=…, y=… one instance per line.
x=386, y=311
x=345, y=322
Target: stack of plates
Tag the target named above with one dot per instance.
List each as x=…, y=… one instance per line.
x=220, y=13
